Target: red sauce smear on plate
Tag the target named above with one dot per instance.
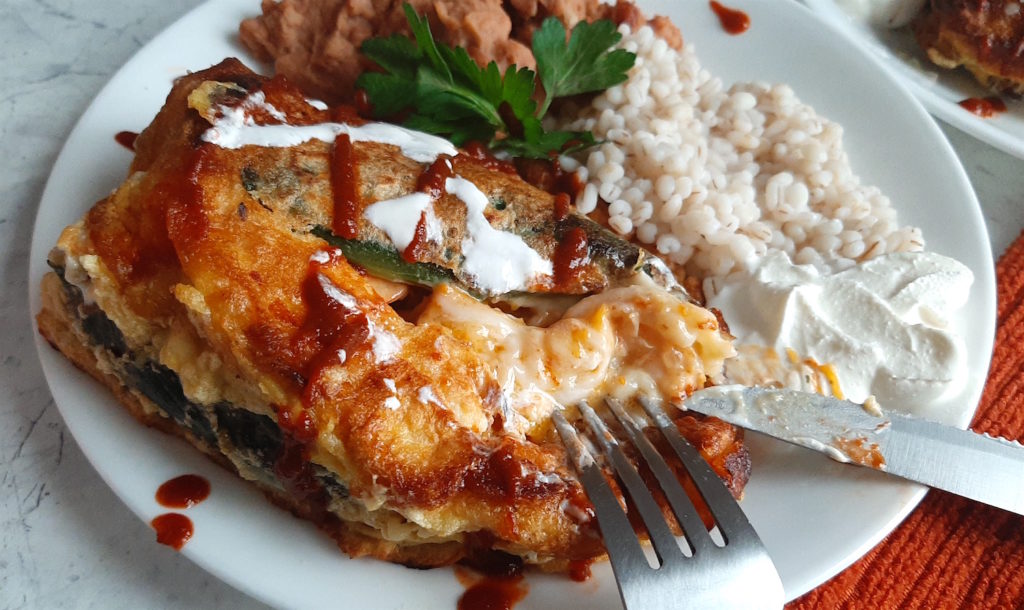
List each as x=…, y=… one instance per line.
x=579, y=569
x=183, y=492
x=733, y=21
x=495, y=584
x=493, y=594
x=985, y=107
x=172, y=529
x=126, y=139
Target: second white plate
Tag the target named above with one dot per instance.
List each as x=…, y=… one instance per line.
x=939, y=90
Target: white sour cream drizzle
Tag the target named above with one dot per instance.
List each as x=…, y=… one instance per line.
x=259, y=100
x=399, y=217
x=882, y=324
x=235, y=128
x=498, y=261
x=391, y=402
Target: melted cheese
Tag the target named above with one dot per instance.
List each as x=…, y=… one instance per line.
x=637, y=338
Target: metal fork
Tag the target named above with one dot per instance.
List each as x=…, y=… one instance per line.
x=739, y=574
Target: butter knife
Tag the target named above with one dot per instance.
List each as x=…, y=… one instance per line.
x=976, y=466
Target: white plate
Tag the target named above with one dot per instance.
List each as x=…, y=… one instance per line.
x=939, y=90
x=815, y=516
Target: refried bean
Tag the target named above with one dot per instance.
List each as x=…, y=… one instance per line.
x=315, y=43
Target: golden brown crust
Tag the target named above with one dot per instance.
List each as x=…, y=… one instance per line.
x=172, y=232
x=57, y=323
x=984, y=36
x=291, y=319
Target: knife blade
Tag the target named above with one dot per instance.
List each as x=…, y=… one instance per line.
x=976, y=466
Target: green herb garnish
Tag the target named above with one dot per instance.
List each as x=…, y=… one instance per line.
x=585, y=65
x=445, y=92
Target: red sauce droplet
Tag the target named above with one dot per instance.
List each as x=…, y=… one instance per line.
x=985, y=107
x=432, y=180
x=126, y=139
x=172, y=529
x=562, y=206
x=733, y=21
x=183, y=492
x=579, y=570
x=572, y=255
x=549, y=175
x=496, y=584
x=493, y=594
x=344, y=182
x=345, y=113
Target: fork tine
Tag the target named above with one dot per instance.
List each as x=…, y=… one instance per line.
x=682, y=506
x=731, y=521
x=662, y=538
x=628, y=556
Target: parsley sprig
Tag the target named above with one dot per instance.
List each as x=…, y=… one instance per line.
x=442, y=90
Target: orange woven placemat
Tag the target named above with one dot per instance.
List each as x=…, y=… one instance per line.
x=951, y=552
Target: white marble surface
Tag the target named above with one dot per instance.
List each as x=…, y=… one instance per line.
x=65, y=539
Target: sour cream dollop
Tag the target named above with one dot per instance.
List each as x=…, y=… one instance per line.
x=883, y=324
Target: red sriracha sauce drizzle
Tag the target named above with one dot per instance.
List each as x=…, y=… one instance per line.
x=432, y=182
x=344, y=181
x=572, y=254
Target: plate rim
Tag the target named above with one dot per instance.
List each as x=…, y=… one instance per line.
x=45, y=352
